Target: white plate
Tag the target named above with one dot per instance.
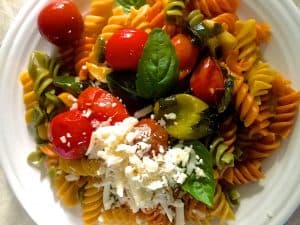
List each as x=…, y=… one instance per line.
x=271, y=201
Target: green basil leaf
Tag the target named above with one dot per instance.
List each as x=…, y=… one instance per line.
x=68, y=83
x=127, y=4
x=226, y=99
x=158, y=68
x=202, y=188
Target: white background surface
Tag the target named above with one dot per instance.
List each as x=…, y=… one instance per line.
x=11, y=213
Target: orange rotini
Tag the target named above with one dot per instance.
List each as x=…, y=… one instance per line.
x=195, y=211
x=156, y=15
x=211, y=8
x=119, y=216
x=227, y=20
x=154, y=217
x=228, y=131
x=246, y=172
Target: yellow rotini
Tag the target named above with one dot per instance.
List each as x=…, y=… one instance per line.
x=119, y=216
x=260, y=78
x=247, y=48
x=81, y=167
x=248, y=171
x=211, y=8
x=91, y=204
x=66, y=192
x=52, y=157
x=29, y=96
x=244, y=102
x=138, y=19
x=221, y=208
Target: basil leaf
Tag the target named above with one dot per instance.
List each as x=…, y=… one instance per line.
x=226, y=99
x=201, y=188
x=127, y=4
x=158, y=68
x=68, y=83
x=122, y=85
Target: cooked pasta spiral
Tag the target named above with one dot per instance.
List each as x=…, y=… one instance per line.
x=119, y=216
x=260, y=79
x=138, y=18
x=91, y=204
x=244, y=102
x=66, y=192
x=211, y=8
x=52, y=157
x=154, y=217
x=29, y=97
x=228, y=131
x=81, y=167
x=263, y=147
x=156, y=15
x=227, y=20
x=263, y=33
x=221, y=156
x=195, y=17
x=195, y=212
x=246, y=172
x=287, y=102
x=174, y=11
x=115, y=23
x=221, y=208
x=248, y=51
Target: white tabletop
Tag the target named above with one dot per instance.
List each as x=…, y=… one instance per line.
x=11, y=212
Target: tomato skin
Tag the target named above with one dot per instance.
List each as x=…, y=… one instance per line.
x=102, y=104
x=60, y=22
x=159, y=136
x=207, y=81
x=186, y=52
x=124, y=49
x=70, y=133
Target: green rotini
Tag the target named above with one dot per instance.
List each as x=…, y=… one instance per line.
x=221, y=157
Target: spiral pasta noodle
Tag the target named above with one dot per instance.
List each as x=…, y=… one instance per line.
x=154, y=217
x=221, y=208
x=228, y=131
x=52, y=157
x=221, y=156
x=263, y=147
x=138, y=18
x=81, y=167
x=91, y=204
x=263, y=33
x=29, y=97
x=244, y=102
x=211, y=8
x=287, y=102
x=195, y=17
x=248, y=171
x=247, y=48
x=156, y=15
x=227, y=20
x=195, y=211
x=260, y=79
x=174, y=11
x=66, y=192
x=119, y=216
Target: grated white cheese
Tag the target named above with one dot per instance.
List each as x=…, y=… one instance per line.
x=170, y=116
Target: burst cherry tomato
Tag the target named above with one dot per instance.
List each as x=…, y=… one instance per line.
x=70, y=133
x=102, y=105
x=186, y=52
x=124, y=49
x=159, y=135
x=60, y=22
x=207, y=82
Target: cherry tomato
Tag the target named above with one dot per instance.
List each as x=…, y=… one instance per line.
x=159, y=135
x=60, y=22
x=186, y=52
x=102, y=105
x=124, y=49
x=70, y=133
x=207, y=82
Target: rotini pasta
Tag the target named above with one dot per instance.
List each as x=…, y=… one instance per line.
x=156, y=15
x=195, y=211
x=138, y=18
x=221, y=155
x=246, y=172
x=211, y=8
x=155, y=217
x=119, y=216
x=228, y=21
x=174, y=11
x=82, y=167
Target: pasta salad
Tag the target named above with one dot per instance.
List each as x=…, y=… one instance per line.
x=154, y=111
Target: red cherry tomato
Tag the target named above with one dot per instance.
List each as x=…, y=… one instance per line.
x=207, y=82
x=159, y=135
x=102, y=105
x=124, y=49
x=70, y=133
x=60, y=22
x=186, y=52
